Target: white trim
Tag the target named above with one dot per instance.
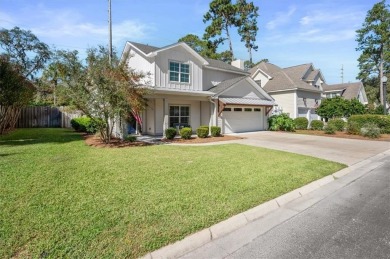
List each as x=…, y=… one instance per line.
x=258, y=70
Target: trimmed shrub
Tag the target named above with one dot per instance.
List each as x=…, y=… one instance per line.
x=131, y=138
x=84, y=124
x=301, y=123
x=370, y=130
x=338, y=124
x=353, y=128
x=170, y=133
x=281, y=122
x=202, y=132
x=215, y=131
x=186, y=133
x=382, y=121
x=330, y=129
x=316, y=125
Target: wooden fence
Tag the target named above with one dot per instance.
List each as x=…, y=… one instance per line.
x=45, y=117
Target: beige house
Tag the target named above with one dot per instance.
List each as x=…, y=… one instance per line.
x=297, y=90
x=189, y=90
x=347, y=90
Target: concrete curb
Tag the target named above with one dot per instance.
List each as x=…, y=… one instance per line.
x=204, y=236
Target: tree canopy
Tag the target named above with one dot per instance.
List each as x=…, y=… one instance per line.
x=24, y=50
x=374, y=43
x=338, y=107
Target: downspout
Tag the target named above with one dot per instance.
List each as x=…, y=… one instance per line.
x=211, y=111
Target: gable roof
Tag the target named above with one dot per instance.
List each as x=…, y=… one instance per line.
x=285, y=78
x=226, y=84
x=209, y=63
x=349, y=90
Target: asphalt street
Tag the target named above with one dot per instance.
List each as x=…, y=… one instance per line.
x=352, y=222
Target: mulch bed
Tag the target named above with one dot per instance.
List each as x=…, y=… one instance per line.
x=338, y=134
x=95, y=141
x=200, y=140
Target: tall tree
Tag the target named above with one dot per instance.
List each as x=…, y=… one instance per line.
x=206, y=48
x=25, y=50
x=223, y=14
x=374, y=42
x=100, y=90
x=247, y=23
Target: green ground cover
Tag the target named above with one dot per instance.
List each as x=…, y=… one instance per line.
x=62, y=198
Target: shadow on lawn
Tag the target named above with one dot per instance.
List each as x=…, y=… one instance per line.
x=21, y=137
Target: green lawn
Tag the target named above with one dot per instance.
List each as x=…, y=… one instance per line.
x=61, y=198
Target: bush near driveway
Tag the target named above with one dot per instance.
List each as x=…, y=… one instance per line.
x=281, y=122
x=301, y=123
x=382, y=121
x=316, y=125
x=60, y=198
x=338, y=124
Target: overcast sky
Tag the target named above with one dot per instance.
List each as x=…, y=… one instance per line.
x=290, y=33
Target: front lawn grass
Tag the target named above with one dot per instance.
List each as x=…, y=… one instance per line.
x=62, y=198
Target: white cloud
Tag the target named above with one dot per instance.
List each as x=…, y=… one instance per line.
x=281, y=18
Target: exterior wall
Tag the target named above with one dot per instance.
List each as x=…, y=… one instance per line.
x=310, y=101
x=262, y=78
x=212, y=77
x=205, y=111
x=287, y=101
x=142, y=65
x=178, y=54
x=243, y=90
x=149, y=120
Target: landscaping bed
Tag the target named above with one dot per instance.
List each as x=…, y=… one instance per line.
x=342, y=134
x=61, y=198
x=196, y=140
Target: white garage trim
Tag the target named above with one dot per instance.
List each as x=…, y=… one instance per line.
x=242, y=118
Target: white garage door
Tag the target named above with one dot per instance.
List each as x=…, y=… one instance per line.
x=242, y=119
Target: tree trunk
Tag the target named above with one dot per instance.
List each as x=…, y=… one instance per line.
x=380, y=80
x=230, y=42
x=250, y=55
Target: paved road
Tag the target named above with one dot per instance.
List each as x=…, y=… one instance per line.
x=346, y=151
x=348, y=218
x=354, y=222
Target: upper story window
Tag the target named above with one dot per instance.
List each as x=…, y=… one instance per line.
x=179, y=72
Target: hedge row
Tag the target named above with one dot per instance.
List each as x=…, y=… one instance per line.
x=382, y=121
x=186, y=132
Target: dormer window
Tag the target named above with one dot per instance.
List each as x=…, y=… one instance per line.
x=179, y=72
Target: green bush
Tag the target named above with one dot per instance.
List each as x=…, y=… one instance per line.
x=330, y=129
x=338, y=124
x=370, y=130
x=202, y=132
x=131, y=138
x=353, y=128
x=170, y=133
x=316, y=125
x=301, y=123
x=84, y=124
x=186, y=133
x=215, y=131
x=382, y=121
x=281, y=122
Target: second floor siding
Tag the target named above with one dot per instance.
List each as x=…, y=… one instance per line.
x=213, y=77
x=186, y=71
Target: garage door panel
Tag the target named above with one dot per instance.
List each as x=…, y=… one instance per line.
x=234, y=122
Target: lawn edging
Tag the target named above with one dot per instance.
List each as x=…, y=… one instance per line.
x=235, y=222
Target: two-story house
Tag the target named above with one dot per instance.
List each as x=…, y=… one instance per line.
x=187, y=89
x=347, y=91
x=297, y=90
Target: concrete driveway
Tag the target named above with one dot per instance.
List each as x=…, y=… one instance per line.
x=346, y=151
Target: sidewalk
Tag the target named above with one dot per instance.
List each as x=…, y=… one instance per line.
x=224, y=238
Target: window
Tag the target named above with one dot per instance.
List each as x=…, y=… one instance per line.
x=179, y=116
x=256, y=109
x=179, y=72
x=227, y=109
x=247, y=109
x=237, y=109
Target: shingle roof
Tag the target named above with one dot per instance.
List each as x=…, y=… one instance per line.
x=247, y=101
x=285, y=78
x=223, y=65
x=226, y=84
x=144, y=48
x=351, y=90
x=312, y=75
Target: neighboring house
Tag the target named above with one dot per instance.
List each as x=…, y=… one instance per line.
x=297, y=90
x=187, y=89
x=347, y=91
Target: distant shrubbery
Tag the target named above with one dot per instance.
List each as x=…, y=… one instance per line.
x=338, y=124
x=316, y=125
x=84, y=124
x=301, y=123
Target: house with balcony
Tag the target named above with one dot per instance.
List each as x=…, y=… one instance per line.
x=297, y=90
x=347, y=91
x=189, y=90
